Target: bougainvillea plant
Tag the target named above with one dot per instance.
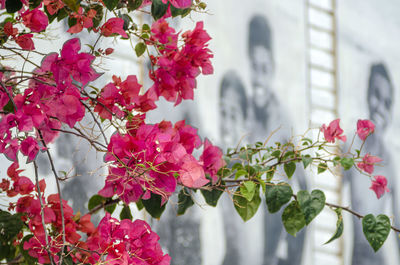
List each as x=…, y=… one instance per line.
x=43, y=98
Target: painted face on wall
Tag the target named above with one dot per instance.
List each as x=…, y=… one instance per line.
x=380, y=101
x=261, y=74
x=232, y=117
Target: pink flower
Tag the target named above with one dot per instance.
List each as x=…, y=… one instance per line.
x=179, y=3
x=35, y=20
x=82, y=20
x=9, y=30
x=333, y=131
x=164, y=34
x=368, y=162
x=25, y=42
x=212, y=160
x=176, y=70
x=191, y=173
x=113, y=26
x=365, y=128
x=379, y=185
x=53, y=6
x=30, y=148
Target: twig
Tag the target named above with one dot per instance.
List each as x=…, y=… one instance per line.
x=92, y=142
x=9, y=95
x=97, y=122
x=104, y=205
x=59, y=194
x=42, y=211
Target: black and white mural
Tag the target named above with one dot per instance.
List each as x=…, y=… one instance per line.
x=369, y=89
x=260, y=113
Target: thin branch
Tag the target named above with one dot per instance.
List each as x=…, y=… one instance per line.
x=97, y=122
x=92, y=142
x=42, y=212
x=59, y=194
x=9, y=95
x=104, y=205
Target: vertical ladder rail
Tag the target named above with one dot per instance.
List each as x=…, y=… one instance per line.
x=322, y=92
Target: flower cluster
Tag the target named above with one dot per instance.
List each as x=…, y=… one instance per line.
x=154, y=158
x=120, y=98
x=125, y=242
x=364, y=129
x=116, y=242
x=53, y=97
x=176, y=69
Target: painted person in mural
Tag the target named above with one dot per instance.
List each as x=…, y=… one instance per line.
x=233, y=115
x=267, y=114
x=380, y=96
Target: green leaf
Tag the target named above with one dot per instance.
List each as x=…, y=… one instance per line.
x=140, y=48
x=126, y=213
x=376, y=230
x=270, y=173
x=139, y=205
x=110, y=4
x=347, y=163
x=293, y=218
x=153, y=206
x=307, y=159
x=96, y=200
x=145, y=27
x=240, y=173
x=289, y=168
x=99, y=15
x=336, y=160
x=311, y=205
x=322, y=167
x=34, y=3
x=276, y=153
x=10, y=226
x=339, y=226
x=184, y=201
x=72, y=4
x=246, y=209
x=212, y=196
x=179, y=12
x=7, y=251
x=277, y=195
x=158, y=9
x=62, y=13
x=134, y=4
x=248, y=190
x=9, y=107
x=13, y=6
x=237, y=166
x=288, y=154
x=110, y=208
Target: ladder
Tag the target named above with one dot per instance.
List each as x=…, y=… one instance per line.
x=322, y=89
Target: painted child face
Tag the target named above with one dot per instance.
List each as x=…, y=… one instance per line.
x=261, y=74
x=232, y=117
x=380, y=101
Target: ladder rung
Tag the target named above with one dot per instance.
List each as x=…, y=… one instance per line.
x=321, y=68
x=328, y=251
x=321, y=29
x=324, y=88
x=320, y=107
x=321, y=9
x=320, y=48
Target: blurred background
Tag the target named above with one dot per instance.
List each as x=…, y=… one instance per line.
x=291, y=65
